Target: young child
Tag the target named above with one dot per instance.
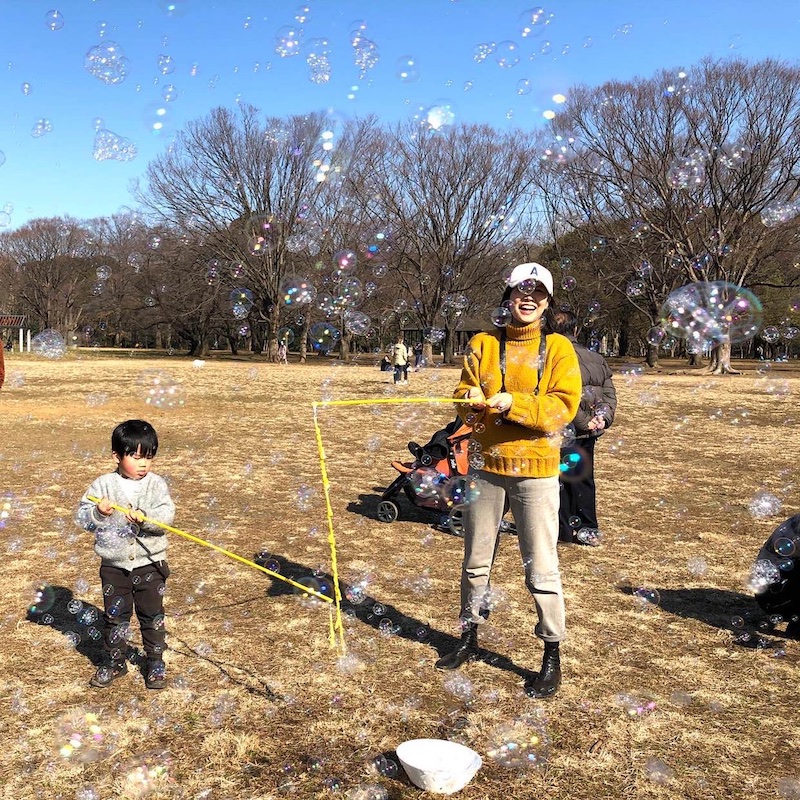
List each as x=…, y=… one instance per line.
x=133, y=567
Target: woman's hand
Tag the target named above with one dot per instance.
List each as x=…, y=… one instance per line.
x=500, y=402
x=476, y=398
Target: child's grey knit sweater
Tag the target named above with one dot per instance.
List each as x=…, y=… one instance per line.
x=117, y=542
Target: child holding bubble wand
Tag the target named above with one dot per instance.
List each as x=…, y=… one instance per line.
x=132, y=549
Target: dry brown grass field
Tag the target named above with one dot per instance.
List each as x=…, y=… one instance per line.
x=658, y=699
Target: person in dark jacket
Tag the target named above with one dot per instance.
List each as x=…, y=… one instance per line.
x=775, y=575
x=577, y=517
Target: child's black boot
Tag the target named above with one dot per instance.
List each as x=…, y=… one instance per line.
x=107, y=673
x=155, y=676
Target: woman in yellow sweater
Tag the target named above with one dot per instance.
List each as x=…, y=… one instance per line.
x=524, y=387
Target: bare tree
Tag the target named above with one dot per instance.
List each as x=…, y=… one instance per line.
x=54, y=266
x=245, y=185
x=451, y=201
x=684, y=177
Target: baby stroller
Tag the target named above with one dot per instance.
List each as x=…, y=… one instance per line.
x=436, y=479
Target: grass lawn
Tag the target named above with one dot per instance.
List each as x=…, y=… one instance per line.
x=659, y=700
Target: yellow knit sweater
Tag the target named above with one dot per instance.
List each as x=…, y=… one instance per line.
x=530, y=448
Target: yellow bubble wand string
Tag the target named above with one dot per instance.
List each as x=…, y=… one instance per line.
x=336, y=619
x=234, y=556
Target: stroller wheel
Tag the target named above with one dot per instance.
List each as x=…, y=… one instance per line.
x=387, y=511
x=455, y=521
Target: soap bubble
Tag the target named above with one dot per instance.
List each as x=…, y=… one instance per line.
x=43, y=598
x=323, y=336
x=158, y=389
x=54, y=20
x=407, y=69
x=285, y=336
x=82, y=738
x=501, y=317
x=646, y=598
x=712, y=312
x=106, y=61
x=520, y=743
x=49, y=343
x=108, y=146
x=764, y=504
x=440, y=116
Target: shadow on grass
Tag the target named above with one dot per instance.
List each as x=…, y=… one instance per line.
x=367, y=506
x=79, y=621
x=386, y=619
x=714, y=607
x=732, y=611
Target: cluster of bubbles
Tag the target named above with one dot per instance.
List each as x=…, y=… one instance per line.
x=522, y=742
x=108, y=146
x=635, y=705
x=365, y=51
x=147, y=774
x=708, y=313
x=82, y=738
x=241, y=301
x=41, y=127
x=689, y=171
x=763, y=574
x=159, y=389
x=435, y=488
x=772, y=334
x=780, y=212
x=764, y=504
x=318, y=59
x=49, y=343
x=107, y=62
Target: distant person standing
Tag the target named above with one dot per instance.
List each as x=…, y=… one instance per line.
x=577, y=516
x=282, y=353
x=400, y=361
x=418, y=360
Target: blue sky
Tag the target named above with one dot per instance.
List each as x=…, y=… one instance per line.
x=224, y=53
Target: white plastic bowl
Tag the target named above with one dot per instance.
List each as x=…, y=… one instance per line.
x=437, y=765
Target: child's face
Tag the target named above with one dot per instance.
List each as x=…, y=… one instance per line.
x=133, y=466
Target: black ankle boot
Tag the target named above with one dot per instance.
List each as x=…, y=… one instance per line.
x=546, y=683
x=467, y=650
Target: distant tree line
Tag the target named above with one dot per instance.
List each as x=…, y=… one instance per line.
x=253, y=230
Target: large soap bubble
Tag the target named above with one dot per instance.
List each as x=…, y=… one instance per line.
x=49, y=343
x=712, y=312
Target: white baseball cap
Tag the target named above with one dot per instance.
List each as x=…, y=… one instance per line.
x=531, y=272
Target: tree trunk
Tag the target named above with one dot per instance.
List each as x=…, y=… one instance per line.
x=721, y=360
x=303, y=338
x=447, y=350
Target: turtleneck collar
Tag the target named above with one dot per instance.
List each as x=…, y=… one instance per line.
x=524, y=333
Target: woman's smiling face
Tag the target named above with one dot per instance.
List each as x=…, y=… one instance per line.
x=528, y=302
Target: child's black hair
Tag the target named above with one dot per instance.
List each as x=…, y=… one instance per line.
x=129, y=436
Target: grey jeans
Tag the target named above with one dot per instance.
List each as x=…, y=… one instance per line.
x=534, y=504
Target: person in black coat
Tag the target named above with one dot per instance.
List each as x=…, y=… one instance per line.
x=577, y=518
x=775, y=575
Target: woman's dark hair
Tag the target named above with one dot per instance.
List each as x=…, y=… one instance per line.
x=564, y=321
x=129, y=436
x=548, y=318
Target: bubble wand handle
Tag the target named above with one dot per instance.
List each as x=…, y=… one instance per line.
x=234, y=556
